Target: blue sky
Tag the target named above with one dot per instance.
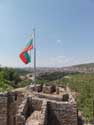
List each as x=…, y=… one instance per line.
x=64, y=31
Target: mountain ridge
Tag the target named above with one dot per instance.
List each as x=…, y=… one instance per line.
x=86, y=68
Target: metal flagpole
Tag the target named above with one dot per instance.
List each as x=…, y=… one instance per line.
x=34, y=58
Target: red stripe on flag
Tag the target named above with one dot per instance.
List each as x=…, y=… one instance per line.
x=23, y=58
x=27, y=48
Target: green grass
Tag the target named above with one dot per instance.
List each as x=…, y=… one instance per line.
x=83, y=84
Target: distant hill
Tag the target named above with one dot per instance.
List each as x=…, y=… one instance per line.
x=88, y=65
x=87, y=68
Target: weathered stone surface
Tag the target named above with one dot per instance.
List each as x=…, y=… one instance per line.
x=15, y=108
x=3, y=109
x=62, y=114
x=49, y=89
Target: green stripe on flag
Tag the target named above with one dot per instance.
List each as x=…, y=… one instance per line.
x=26, y=55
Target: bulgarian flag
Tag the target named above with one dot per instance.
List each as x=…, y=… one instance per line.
x=24, y=55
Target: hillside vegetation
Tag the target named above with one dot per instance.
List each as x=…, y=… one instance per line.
x=88, y=65
x=10, y=79
x=83, y=84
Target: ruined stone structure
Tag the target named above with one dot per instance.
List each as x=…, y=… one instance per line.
x=52, y=106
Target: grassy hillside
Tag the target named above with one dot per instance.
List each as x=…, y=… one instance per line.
x=85, y=65
x=84, y=85
x=10, y=79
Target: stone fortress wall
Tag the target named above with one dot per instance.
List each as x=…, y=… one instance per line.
x=41, y=108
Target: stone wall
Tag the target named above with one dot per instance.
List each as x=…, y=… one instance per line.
x=11, y=108
x=22, y=112
x=49, y=97
x=3, y=109
x=36, y=104
x=15, y=109
x=49, y=89
x=8, y=108
x=62, y=113
x=28, y=106
x=43, y=118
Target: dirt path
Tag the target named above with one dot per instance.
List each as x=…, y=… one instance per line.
x=34, y=118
